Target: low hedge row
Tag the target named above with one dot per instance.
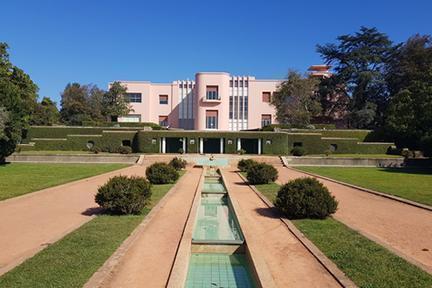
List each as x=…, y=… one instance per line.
x=107, y=141
x=64, y=131
x=272, y=143
x=313, y=143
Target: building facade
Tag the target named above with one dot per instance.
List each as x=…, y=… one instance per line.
x=213, y=101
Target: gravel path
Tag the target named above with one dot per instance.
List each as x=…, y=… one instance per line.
x=402, y=228
x=33, y=221
x=288, y=261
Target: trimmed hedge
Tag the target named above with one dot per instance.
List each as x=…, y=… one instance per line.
x=272, y=143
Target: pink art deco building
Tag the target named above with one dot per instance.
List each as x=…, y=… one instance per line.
x=213, y=101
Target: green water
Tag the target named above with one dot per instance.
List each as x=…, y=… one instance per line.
x=215, y=220
x=205, y=161
x=218, y=270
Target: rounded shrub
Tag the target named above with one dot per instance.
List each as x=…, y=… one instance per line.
x=305, y=198
x=245, y=164
x=261, y=173
x=241, y=151
x=178, y=163
x=96, y=149
x=124, y=150
x=298, y=151
x=161, y=173
x=124, y=195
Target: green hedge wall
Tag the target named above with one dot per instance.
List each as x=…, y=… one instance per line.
x=310, y=142
x=361, y=135
x=277, y=146
x=64, y=131
x=107, y=141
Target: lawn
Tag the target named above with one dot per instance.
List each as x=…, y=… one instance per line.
x=362, y=260
x=366, y=263
x=21, y=178
x=71, y=261
x=410, y=183
x=361, y=156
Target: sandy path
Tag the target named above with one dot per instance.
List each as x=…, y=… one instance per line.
x=31, y=222
x=148, y=261
x=290, y=264
x=405, y=229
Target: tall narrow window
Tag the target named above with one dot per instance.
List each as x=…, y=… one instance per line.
x=211, y=119
x=163, y=121
x=266, y=97
x=265, y=120
x=163, y=99
x=212, y=93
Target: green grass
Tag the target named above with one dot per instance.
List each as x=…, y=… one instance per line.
x=366, y=263
x=410, y=183
x=21, y=178
x=362, y=156
x=71, y=261
x=363, y=261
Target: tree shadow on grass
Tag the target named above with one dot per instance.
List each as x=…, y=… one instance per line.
x=92, y=211
x=409, y=170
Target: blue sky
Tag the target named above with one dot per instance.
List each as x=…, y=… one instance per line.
x=94, y=41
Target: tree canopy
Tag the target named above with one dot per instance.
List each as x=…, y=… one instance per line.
x=114, y=102
x=359, y=62
x=296, y=101
x=18, y=96
x=409, y=77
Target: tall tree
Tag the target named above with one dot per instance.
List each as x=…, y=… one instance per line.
x=359, y=62
x=75, y=105
x=18, y=96
x=296, y=100
x=95, y=103
x=45, y=113
x=409, y=76
x=114, y=102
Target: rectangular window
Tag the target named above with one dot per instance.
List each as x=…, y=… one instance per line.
x=134, y=97
x=212, y=93
x=266, y=97
x=163, y=99
x=211, y=119
x=163, y=121
x=265, y=120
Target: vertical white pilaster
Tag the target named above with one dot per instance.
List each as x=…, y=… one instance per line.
x=238, y=144
x=201, y=146
x=221, y=145
x=163, y=145
x=184, y=145
x=259, y=146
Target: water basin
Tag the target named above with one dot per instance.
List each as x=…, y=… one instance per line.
x=219, y=270
x=216, y=221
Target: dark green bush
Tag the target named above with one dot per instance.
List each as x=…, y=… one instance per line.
x=241, y=151
x=124, y=150
x=261, y=173
x=178, y=163
x=426, y=145
x=245, y=164
x=305, y=198
x=298, y=151
x=161, y=173
x=96, y=149
x=124, y=195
